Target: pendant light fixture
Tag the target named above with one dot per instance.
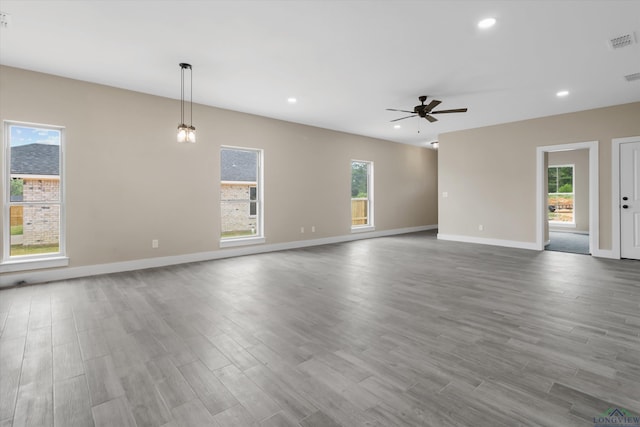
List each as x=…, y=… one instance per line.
x=186, y=133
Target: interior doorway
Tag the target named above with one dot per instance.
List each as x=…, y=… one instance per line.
x=568, y=201
x=542, y=215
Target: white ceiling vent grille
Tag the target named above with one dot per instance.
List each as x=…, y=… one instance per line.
x=5, y=20
x=632, y=77
x=622, y=41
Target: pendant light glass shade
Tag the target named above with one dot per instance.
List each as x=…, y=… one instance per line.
x=182, y=133
x=186, y=133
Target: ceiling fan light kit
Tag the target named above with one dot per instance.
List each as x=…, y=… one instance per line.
x=426, y=111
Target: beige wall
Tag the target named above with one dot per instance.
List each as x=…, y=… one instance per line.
x=490, y=172
x=580, y=160
x=128, y=181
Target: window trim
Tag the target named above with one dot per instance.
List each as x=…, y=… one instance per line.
x=572, y=223
x=370, y=226
x=35, y=261
x=259, y=184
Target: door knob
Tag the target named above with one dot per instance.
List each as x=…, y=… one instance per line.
x=625, y=198
x=625, y=206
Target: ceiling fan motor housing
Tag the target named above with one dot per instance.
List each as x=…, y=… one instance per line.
x=420, y=109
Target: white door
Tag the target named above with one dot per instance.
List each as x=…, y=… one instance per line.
x=630, y=200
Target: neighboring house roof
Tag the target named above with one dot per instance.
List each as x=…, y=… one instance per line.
x=35, y=159
x=238, y=165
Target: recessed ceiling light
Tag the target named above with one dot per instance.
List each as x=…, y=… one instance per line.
x=562, y=93
x=487, y=23
x=397, y=126
x=292, y=100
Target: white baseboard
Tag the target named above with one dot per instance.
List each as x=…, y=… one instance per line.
x=486, y=241
x=604, y=253
x=598, y=253
x=567, y=230
x=31, y=277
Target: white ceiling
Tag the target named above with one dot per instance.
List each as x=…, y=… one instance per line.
x=345, y=61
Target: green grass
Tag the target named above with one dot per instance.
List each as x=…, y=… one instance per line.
x=16, y=230
x=19, y=250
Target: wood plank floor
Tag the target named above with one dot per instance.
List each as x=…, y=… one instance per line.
x=395, y=331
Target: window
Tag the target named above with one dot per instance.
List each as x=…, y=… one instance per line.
x=561, y=194
x=34, y=207
x=241, y=195
x=361, y=195
x=252, y=197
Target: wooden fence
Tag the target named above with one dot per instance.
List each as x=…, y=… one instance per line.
x=359, y=212
x=16, y=215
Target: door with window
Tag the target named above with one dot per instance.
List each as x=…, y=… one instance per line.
x=630, y=200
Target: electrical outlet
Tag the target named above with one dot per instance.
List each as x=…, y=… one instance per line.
x=301, y=229
x=155, y=244
x=481, y=227
x=445, y=194
x=313, y=228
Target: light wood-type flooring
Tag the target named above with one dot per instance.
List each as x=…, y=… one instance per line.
x=396, y=331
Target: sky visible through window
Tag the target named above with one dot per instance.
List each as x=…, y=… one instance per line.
x=23, y=135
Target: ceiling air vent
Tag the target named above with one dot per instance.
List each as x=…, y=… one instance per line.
x=622, y=41
x=632, y=77
x=5, y=19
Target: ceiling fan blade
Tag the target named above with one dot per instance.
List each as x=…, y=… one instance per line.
x=457, y=110
x=430, y=118
x=404, y=111
x=433, y=104
x=402, y=118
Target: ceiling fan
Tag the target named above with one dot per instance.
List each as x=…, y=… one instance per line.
x=425, y=111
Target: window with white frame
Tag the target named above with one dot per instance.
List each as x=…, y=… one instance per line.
x=361, y=194
x=561, y=194
x=34, y=201
x=241, y=194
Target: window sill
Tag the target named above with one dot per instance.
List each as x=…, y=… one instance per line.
x=33, y=264
x=363, y=229
x=243, y=241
